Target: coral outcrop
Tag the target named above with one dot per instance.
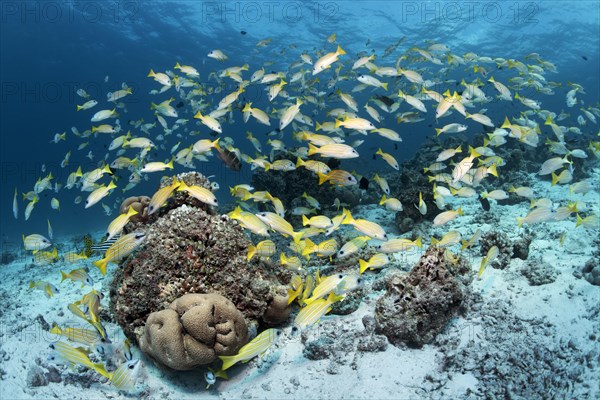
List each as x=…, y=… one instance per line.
x=507, y=248
x=190, y=250
x=194, y=330
x=418, y=305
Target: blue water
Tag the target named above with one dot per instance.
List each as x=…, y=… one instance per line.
x=51, y=48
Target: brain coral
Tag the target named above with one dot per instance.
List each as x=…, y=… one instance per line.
x=193, y=331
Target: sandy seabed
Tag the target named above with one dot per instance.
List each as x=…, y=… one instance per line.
x=517, y=340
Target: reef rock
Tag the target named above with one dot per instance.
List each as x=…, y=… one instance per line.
x=194, y=331
x=518, y=248
x=189, y=250
x=418, y=305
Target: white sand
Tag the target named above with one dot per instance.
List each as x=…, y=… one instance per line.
x=285, y=373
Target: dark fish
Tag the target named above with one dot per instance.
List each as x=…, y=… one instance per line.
x=584, y=57
x=385, y=100
x=243, y=32
x=103, y=246
x=274, y=132
x=180, y=104
x=364, y=183
x=333, y=163
x=485, y=204
x=213, y=133
x=229, y=158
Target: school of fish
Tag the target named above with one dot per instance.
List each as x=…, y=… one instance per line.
x=324, y=105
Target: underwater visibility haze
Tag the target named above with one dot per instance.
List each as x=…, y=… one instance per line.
x=320, y=199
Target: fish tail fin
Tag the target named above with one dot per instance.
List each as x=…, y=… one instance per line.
x=419, y=242
x=236, y=213
x=460, y=211
x=101, y=265
x=554, y=179
x=438, y=131
x=339, y=50
x=382, y=201
x=99, y=368
x=228, y=361
x=151, y=73
x=520, y=221
x=131, y=211
x=492, y=170
x=473, y=153
x=297, y=236
x=363, y=265
x=348, y=218
x=337, y=123
x=579, y=221
x=481, y=268
x=308, y=249
x=322, y=178
x=434, y=241
x=312, y=149
x=251, y=252
x=385, y=86
x=63, y=276
x=305, y=220
x=299, y=162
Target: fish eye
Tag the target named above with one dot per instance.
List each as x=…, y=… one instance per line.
x=349, y=178
x=131, y=366
x=340, y=276
x=52, y=347
x=341, y=252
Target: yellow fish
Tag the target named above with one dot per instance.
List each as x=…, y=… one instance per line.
x=117, y=224
x=377, y=261
x=200, y=193
x=366, y=227
x=255, y=347
x=161, y=196
x=120, y=249
x=266, y=249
